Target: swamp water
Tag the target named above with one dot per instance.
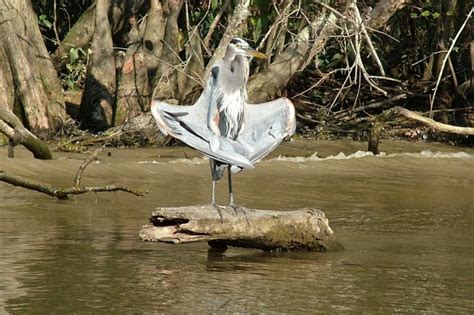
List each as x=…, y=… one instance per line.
x=405, y=219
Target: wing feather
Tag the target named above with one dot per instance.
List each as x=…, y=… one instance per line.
x=266, y=125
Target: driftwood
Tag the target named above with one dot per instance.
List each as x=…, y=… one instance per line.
x=377, y=125
x=241, y=227
x=62, y=193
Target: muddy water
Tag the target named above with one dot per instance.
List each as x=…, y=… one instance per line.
x=406, y=220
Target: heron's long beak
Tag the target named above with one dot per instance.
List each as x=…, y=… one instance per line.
x=252, y=52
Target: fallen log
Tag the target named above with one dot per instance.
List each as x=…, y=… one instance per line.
x=241, y=227
x=378, y=121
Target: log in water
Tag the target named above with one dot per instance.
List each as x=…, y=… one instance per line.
x=223, y=226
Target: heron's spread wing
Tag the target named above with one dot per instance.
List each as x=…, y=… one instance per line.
x=189, y=124
x=266, y=125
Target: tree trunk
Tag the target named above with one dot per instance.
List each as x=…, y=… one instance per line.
x=96, y=110
x=167, y=76
x=133, y=96
x=242, y=227
x=153, y=37
x=25, y=62
x=190, y=79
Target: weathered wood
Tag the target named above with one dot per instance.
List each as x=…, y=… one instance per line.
x=11, y=126
x=397, y=110
x=241, y=227
x=377, y=125
x=62, y=193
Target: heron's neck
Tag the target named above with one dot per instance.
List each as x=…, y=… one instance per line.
x=238, y=67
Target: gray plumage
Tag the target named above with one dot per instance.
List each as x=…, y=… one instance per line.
x=222, y=125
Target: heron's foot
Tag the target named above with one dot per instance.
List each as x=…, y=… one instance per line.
x=239, y=210
x=219, y=210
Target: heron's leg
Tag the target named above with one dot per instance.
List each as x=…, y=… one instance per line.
x=231, y=194
x=213, y=196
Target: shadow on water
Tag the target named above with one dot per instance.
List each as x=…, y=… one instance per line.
x=405, y=220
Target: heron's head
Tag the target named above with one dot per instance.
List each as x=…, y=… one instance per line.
x=240, y=47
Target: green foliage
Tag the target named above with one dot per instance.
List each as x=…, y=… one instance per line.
x=43, y=20
x=74, y=77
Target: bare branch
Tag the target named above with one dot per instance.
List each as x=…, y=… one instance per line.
x=62, y=193
x=214, y=24
x=446, y=57
x=235, y=24
x=82, y=168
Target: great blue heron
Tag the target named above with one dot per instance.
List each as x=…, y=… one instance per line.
x=222, y=125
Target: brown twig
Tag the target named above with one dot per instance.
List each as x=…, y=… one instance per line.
x=374, y=54
x=80, y=171
x=62, y=193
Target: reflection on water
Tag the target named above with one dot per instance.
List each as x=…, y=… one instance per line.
x=405, y=219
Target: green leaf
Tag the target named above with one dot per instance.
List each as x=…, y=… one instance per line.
x=426, y=13
x=413, y=15
x=214, y=4
x=253, y=21
x=257, y=30
x=436, y=15
x=73, y=55
x=43, y=20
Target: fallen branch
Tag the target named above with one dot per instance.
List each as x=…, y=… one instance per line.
x=62, y=193
x=377, y=125
x=468, y=131
x=242, y=227
x=82, y=168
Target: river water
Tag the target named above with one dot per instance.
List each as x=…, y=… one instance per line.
x=405, y=219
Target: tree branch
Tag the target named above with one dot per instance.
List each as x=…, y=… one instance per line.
x=62, y=193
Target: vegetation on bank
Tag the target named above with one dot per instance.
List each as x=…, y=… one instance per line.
x=67, y=66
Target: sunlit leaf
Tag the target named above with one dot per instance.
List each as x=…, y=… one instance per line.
x=73, y=55
x=214, y=4
x=43, y=20
x=257, y=30
x=426, y=13
x=436, y=15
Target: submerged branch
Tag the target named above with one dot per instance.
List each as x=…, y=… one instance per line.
x=62, y=193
